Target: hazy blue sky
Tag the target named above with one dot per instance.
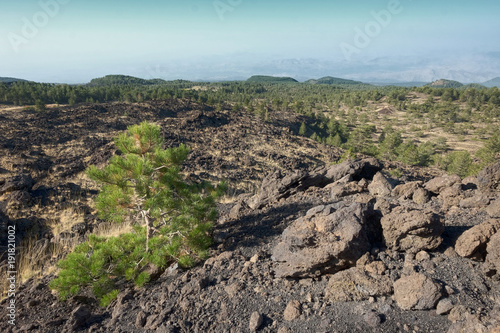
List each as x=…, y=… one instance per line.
x=76, y=40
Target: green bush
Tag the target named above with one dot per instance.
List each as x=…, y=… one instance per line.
x=175, y=223
x=460, y=163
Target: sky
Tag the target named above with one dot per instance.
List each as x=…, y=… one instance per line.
x=73, y=41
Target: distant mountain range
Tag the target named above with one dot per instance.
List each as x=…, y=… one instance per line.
x=492, y=83
x=109, y=80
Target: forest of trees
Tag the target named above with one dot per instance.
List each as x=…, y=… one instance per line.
x=339, y=115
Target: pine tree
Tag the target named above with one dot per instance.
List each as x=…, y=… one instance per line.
x=143, y=184
x=302, y=129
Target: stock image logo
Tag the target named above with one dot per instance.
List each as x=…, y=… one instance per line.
x=30, y=26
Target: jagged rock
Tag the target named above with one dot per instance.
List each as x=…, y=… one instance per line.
x=472, y=243
x=342, y=190
x=421, y=196
x=451, y=196
x=256, y=320
x=293, y=310
x=436, y=185
x=380, y=186
x=140, y=320
x=383, y=205
x=276, y=186
x=233, y=289
x=355, y=284
x=372, y=318
x=478, y=201
x=358, y=169
x=326, y=240
x=78, y=318
x=422, y=256
x=489, y=178
x=470, y=181
x=468, y=323
x=405, y=191
x=457, y=313
x=492, y=263
x=493, y=208
x=365, y=198
x=417, y=292
x=412, y=230
x=17, y=183
x=235, y=212
x=444, y=307
x=376, y=268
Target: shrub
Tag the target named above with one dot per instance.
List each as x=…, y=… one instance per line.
x=145, y=184
x=302, y=129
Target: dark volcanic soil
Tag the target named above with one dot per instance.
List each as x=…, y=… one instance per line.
x=237, y=288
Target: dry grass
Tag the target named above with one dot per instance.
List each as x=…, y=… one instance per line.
x=35, y=260
x=110, y=229
x=422, y=129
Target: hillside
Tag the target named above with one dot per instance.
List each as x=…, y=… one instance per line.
x=492, y=83
x=110, y=80
x=10, y=80
x=473, y=85
x=445, y=84
x=272, y=266
x=270, y=79
x=400, y=84
x=334, y=81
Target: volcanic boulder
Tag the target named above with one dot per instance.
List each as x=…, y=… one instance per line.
x=436, y=185
x=380, y=186
x=492, y=263
x=275, y=186
x=328, y=239
x=489, y=178
x=417, y=292
x=472, y=243
x=412, y=230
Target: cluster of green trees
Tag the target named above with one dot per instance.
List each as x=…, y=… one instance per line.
x=175, y=218
x=334, y=114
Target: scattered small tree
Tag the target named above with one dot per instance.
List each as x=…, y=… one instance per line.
x=40, y=106
x=143, y=184
x=302, y=129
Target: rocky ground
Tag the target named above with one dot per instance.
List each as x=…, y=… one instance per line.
x=316, y=247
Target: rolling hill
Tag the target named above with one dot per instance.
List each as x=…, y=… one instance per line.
x=334, y=81
x=110, y=80
x=271, y=79
x=10, y=80
x=442, y=83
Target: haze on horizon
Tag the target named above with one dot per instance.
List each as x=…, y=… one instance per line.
x=73, y=41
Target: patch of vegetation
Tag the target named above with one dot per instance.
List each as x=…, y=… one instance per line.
x=270, y=79
x=334, y=81
x=112, y=80
x=177, y=217
x=339, y=113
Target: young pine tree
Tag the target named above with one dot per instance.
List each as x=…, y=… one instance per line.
x=174, y=216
